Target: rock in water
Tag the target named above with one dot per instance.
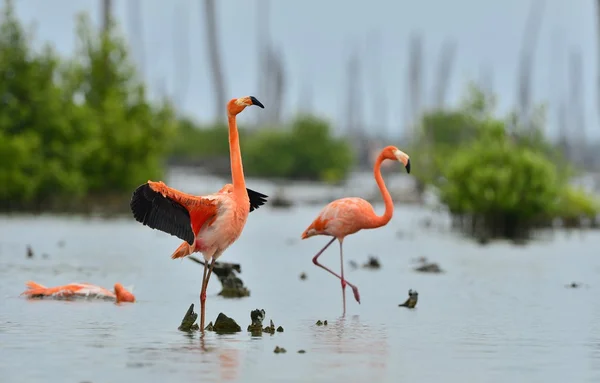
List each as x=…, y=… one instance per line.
x=257, y=316
x=225, y=324
x=187, y=323
x=411, y=302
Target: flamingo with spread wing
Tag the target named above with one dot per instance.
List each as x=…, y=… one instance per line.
x=208, y=224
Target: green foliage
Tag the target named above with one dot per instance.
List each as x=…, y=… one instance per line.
x=306, y=151
x=193, y=141
x=498, y=176
x=75, y=126
x=574, y=203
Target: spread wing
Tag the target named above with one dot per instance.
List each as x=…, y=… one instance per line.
x=256, y=199
x=163, y=213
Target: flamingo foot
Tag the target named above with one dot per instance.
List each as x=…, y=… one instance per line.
x=356, y=294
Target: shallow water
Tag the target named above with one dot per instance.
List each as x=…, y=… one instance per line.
x=499, y=313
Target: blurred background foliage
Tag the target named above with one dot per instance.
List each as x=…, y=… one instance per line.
x=499, y=177
x=83, y=126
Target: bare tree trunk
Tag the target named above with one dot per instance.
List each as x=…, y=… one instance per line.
x=181, y=46
x=576, y=98
x=136, y=32
x=530, y=37
x=264, y=47
x=598, y=53
x=305, y=100
x=210, y=19
x=415, y=73
x=486, y=78
x=106, y=14
x=276, y=84
x=445, y=66
x=379, y=111
x=354, y=108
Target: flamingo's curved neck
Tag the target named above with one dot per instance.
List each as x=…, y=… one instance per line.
x=235, y=156
x=379, y=221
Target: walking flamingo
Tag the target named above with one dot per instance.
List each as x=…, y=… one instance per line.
x=208, y=224
x=347, y=216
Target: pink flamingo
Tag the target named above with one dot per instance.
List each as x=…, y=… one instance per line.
x=208, y=224
x=347, y=216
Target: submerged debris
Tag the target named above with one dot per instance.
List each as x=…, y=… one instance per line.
x=270, y=328
x=301, y=351
x=188, y=322
x=372, y=263
x=232, y=286
x=353, y=264
x=29, y=252
x=256, y=316
x=428, y=267
x=411, y=302
x=225, y=324
x=303, y=276
x=279, y=350
x=321, y=323
x=575, y=285
x=279, y=200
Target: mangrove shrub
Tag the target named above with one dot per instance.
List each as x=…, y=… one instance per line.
x=306, y=151
x=73, y=126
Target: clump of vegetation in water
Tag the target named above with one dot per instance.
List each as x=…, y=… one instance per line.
x=74, y=127
x=498, y=177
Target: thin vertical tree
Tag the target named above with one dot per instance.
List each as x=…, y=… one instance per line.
x=444, y=72
x=214, y=54
x=136, y=32
x=181, y=53
x=528, y=48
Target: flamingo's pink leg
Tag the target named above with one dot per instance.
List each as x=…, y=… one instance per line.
x=316, y=262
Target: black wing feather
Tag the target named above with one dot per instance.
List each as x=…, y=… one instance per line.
x=256, y=199
x=157, y=212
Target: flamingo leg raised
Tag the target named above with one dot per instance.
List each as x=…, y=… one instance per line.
x=316, y=262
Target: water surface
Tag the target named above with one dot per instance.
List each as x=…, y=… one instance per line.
x=499, y=313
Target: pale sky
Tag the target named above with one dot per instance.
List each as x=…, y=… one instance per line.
x=317, y=35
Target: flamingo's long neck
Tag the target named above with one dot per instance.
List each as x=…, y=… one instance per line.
x=379, y=221
x=235, y=157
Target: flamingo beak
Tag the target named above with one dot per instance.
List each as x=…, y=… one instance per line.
x=256, y=102
x=407, y=166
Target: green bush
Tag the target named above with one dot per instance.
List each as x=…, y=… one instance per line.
x=574, y=203
x=193, y=141
x=505, y=184
x=306, y=151
x=495, y=178
x=70, y=127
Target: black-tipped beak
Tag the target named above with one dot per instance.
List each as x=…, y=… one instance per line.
x=256, y=102
x=407, y=166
